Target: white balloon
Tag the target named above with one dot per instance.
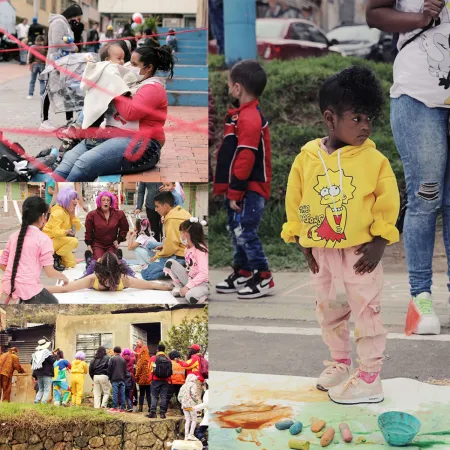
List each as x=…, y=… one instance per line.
x=134, y=25
x=138, y=15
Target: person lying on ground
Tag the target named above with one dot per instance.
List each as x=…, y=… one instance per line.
x=147, y=107
x=109, y=275
x=61, y=228
x=191, y=281
x=90, y=264
x=27, y=252
x=172, y=248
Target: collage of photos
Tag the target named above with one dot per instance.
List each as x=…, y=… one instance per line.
x=224, y=225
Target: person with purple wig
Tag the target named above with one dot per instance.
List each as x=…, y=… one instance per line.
x=106, y=227
x=78, y=371
x=62, y=227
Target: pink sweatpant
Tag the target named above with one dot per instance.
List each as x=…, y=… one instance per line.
x=340, y=292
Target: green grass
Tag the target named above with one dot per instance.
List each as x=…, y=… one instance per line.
x=290, y=105
x=39, y=416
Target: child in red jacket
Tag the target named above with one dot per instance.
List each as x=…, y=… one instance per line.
x=243, y=175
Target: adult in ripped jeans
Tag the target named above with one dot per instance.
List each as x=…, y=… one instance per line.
x=420, y=103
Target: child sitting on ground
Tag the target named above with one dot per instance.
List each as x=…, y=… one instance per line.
x=243, y=175
x=27, y=252
x=342, y=204
x=143, y=244
x=77, y=372
x=189, y=399
x=191, y=282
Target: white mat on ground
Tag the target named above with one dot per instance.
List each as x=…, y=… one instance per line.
x=255, y=402
x=128, y=296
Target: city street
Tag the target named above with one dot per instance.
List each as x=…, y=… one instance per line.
x=280, y=335
x=183, y=155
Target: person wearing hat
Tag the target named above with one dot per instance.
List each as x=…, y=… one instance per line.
x=9, y=362
x=178, y=377
x=192, y=365
x=42, y=362
x=34, y=31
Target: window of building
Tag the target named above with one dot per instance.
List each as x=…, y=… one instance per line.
x=30, y=2
x=44, y=5
x=53, y=6
x=89, y=343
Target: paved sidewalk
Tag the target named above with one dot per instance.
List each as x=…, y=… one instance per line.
x=184, y=156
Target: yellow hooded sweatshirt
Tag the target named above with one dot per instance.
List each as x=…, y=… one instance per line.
x=172, y=245
x=341, y=200
x=79, y=367
x=59, y=222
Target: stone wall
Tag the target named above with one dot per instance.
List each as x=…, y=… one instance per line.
x=113, y=435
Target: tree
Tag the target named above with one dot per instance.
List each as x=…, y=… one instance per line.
x=189, y=332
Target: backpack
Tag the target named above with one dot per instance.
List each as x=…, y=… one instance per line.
x=204, y=366
x=163, y=367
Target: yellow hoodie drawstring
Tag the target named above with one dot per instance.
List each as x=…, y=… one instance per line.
x=328, y=176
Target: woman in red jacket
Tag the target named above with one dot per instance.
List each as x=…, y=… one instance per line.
x=145, y=112
x=106, y=227
x=192, y=363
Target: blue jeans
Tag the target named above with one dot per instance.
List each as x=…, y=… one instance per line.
x=155, y=270
x=86, y=162
x=45, y=386
x=421, y=136
x=118, y=391
x=215, y=9
x=248, y=249
x=35, y=71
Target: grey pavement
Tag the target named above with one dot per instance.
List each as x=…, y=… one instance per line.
x=18, y=112
x=279, y=334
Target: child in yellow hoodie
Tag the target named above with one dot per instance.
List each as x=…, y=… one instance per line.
x=78, y=371
x=61, y=228
x=342, y=204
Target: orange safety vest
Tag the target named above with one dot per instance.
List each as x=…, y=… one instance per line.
x=178, y=373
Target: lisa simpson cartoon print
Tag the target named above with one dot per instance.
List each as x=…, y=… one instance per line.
x=335, y=190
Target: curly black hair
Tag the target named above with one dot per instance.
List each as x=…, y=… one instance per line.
x=353, y=89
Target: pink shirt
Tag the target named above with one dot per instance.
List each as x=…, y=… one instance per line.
x=197, y=267
x=37, y=252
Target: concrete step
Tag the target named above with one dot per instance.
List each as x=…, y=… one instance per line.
x=187, y=98
x=192, y=50
x=188, y=71
x=187, y=84
x=188, y=36
x=191, y=60
x=182, y=45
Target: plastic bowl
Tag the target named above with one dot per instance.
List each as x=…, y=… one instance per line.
x=398, y=428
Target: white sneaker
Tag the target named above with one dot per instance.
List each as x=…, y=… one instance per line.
x=29, y=97
x=429, y=321
x=191, y=437
x=47, y=126
x=258, y=286
x=355, y=391
x=335, y=374
x=236, y=281
x=176, y=291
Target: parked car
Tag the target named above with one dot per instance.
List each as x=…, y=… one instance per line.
x=360, y=40
x=288, y=39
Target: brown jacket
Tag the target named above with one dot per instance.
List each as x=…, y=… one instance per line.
x=9, y=362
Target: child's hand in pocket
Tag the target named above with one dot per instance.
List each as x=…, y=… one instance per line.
x=372, y=253
x=312, y=263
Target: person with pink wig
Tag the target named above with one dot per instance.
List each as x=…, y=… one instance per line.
x=106, y=227
x=61, y=228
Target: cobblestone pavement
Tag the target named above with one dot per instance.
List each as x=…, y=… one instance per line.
x=184, y=156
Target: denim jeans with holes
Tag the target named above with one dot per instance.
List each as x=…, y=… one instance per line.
x=421, y=137
x=243, y=230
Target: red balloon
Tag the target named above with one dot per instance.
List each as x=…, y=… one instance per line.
x=138, y=20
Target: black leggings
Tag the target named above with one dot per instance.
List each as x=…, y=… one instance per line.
x=44, y=297
x=144, y=391
x=46, y=108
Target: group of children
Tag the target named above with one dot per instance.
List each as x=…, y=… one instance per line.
x=183, y=255
x=342, y=205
